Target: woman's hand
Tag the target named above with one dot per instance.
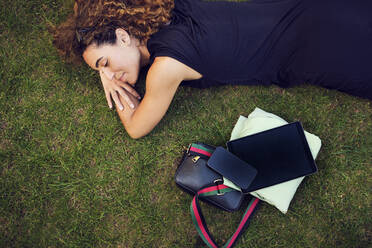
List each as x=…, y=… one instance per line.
x=115, y=87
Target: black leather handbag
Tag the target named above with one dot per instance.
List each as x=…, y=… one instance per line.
x=193, y=174
x=196, y=176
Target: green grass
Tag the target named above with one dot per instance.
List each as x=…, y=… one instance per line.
x=72, y=177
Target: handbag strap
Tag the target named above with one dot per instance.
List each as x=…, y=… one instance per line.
x=200, y=149
x=201, y=225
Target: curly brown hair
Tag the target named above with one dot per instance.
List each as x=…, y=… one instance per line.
x=95, y=22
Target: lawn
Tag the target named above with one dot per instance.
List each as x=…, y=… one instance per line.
x=70, y=176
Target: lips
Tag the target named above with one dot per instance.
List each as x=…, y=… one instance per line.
x=122, y=77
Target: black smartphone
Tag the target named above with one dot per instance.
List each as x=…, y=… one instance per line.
x=231, y=167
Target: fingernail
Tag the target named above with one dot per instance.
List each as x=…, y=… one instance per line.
x=131, y=105
x=121, y=107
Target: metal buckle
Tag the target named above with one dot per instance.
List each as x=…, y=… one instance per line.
x=195, y=159
x=188, y=148
x=215, y=182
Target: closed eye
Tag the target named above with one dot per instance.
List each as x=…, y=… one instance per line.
x=102, y=62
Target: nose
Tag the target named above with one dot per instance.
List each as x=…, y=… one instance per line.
x=109, y=74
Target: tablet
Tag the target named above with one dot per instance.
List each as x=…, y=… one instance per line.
x=279, y=155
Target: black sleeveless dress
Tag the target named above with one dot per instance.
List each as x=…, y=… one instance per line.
x=283, y=42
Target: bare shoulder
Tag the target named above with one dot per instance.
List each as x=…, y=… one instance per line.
x=167, y=67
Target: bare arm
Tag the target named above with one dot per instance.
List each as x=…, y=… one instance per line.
x=162, y=81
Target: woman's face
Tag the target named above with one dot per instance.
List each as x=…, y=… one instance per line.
x=120, y=60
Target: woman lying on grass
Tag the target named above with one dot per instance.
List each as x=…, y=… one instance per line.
x=205, y=43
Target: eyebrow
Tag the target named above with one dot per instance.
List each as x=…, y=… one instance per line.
x=98, y=61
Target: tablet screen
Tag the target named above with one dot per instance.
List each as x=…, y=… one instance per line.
x=279, y=155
